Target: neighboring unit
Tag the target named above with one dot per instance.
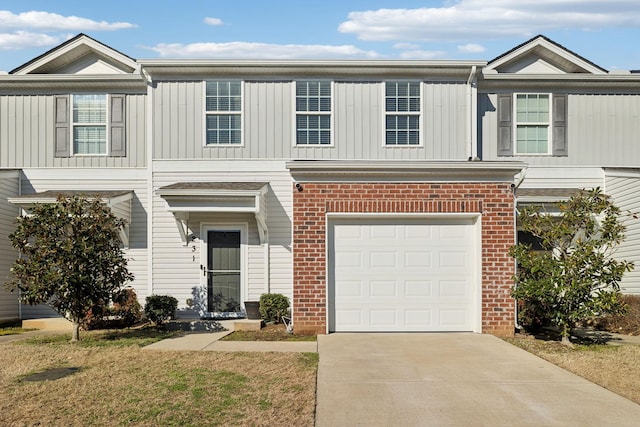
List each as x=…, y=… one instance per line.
x=376, y=195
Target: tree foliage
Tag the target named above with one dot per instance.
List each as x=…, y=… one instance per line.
x=576, y=276
x=70, y=256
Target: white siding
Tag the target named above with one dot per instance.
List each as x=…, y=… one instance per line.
x=9, y=187
x=176, y=268
x=567, y=177
x=268, y=126
x=624, y=192
x=26, y=135
x=602, y=130
x=38, y=180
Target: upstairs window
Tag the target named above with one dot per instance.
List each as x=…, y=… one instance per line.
x=89, y=123
x=533, y=126
x=223, y=112
x=402, y=111
x=313, y=112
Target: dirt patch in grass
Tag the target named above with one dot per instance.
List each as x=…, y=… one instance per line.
x=613, y=367
x=271, y=332
x=121, y=385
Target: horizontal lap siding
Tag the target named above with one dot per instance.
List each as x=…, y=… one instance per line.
x=176, y=268
x=602, y=130
x=9, y=181
x=268, y=123
x=136, y=254
x=26, y=135
x=624, y=191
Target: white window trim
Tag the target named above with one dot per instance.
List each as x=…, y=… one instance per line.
x=72, y=125
x=205, y=113
x=243, y=228
x=549, y=125
x=331, y=114
x=386, y=113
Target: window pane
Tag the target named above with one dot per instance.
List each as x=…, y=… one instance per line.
x=532, y=140
x=223, y=96
x=90, y=140
x=223, y=129
x=90, y=108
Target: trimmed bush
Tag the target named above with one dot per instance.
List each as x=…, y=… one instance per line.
x=159, y=309
x=273, y=307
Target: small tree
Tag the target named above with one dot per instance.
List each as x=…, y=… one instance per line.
x=576, y=276
x=70, y=257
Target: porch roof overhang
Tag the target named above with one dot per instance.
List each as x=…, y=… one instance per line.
x=119, y=201
x=544, y=195
x=185, y=198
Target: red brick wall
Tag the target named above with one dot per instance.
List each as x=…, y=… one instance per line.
x=310, y=206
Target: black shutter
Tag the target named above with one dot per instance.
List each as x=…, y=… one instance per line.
x=62, y=139
x=117, y=126
x=505, y=125
x=560, y=141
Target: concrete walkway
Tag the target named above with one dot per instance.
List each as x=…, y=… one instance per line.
x=210, y=341
x=454, y=380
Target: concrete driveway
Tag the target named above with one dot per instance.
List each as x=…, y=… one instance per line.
x=454, y=380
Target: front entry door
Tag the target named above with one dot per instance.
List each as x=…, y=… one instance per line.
x=223, y=271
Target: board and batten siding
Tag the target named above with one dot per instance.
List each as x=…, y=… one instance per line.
x=268, y=123
x=27, y=135
x=602, y=130
x=39, y=180
x=176, y=267
x=9, y=187
x=624, y=192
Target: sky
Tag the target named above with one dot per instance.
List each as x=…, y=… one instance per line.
x=605, y=32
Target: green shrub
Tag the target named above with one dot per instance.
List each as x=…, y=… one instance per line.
x=126, y=307
x=273, y=307
x=160, y=308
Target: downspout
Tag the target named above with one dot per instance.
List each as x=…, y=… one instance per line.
x=472, y=122
x=523, y=174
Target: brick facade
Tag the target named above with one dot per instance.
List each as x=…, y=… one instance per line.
x=494, y=201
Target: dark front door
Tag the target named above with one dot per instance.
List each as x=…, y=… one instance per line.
x=223, y=271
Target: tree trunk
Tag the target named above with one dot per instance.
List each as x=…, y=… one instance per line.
x=75, y=336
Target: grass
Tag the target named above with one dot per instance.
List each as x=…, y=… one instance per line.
x=613, y=367
x=118, y=383
x=268, y=333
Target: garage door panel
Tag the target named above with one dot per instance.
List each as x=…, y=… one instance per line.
x=418, y=288
x=402, y=275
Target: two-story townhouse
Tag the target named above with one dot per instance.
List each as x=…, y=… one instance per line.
x=376, y=195
x=345, y=185
x=573, y=123
x=73, y=120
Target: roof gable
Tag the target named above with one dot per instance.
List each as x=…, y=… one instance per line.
x=79, y=55
x=541, y=55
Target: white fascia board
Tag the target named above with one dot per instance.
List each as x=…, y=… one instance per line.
x=407, y=168
x=62, y=81
x=190, y=193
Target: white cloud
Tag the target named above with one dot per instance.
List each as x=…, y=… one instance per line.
x=239, y=50
x=22, y=39
x=406, y=46
x=471, y=48
x=44, y=21
x=422, y=54
x=464, y=19
x=213, y=21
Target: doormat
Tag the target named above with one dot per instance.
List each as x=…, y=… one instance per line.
x=51, y=374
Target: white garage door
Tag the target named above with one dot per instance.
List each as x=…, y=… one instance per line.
x=402, y=275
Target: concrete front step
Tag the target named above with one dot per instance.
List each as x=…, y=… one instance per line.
x=50, y=324
x=247, y=325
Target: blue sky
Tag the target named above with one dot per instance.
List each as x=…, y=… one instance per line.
x=604, y=31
